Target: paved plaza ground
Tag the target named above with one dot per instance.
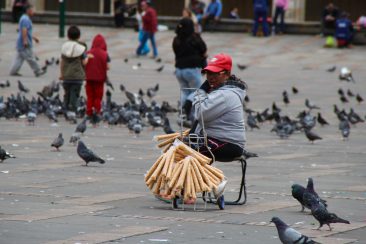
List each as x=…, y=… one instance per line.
x=48, y=197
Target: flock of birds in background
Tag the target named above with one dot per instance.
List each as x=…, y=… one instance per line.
x=136, y=114
x=305, y=120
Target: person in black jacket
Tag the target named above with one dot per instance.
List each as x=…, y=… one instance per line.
x=190, y=58
x=330, y=15
x=119, y=13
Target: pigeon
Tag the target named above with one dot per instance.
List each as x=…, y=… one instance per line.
x=320, y=213
x=289, y=235
x=57, y=61
x=295, y=90
x=246, y=99
x=4, y=84
x=58, y=142
x=359, y=98
x=354, y=118
x=345, y=128
x=87, y=155
x=286, y=99
x=166, y=126
x=22, y=88
x=122, y=88
x=74, y=138
x=154, y=121
x=252, y=123
x=275, y=109
x=160, y=68
x=158, y=60
x=242, y=67
x=309, y=105
x=332, y=69
x=109, y=84
x=312, y=136
x=298, y=193
x=31, y=118
x=310, y=194
x=151, y=92
x=5, y=155
x=126, y=60
x=346, y=75
x=81, y=128
x=141, y=93
x=343, y=99
x=350, y=93
x=340, y=92
x=321, y=120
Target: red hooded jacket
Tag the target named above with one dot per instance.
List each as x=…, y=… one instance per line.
x=96, y=68
x=150, y=20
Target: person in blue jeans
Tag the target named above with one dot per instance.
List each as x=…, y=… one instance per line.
x=344, y=30
x=150, y=26
x=190, y=56
x=260, y=13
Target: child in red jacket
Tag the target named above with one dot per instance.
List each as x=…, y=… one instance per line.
x=96, y=75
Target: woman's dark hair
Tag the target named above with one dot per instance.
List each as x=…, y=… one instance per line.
x=73, y=33
x=185, y=28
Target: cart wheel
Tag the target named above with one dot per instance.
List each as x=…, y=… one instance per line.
x=221, y=202
x=175, y=202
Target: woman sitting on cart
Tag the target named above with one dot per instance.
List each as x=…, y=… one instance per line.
x=218, y=110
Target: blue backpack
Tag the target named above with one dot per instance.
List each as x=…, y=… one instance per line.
x=343, y=29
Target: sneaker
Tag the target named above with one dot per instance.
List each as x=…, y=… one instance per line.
x=16, y=74
x=42, y=72
x=220, y=189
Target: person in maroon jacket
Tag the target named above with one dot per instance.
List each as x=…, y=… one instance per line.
x=96, y=75
x=149, y=26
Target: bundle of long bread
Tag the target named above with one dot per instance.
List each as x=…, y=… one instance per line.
x=182, y=171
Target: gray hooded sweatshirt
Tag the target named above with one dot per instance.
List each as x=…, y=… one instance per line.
x=222, y=112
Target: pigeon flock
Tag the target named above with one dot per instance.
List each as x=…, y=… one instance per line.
x=306, y=120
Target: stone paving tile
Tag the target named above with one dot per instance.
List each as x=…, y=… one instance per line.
x=328, y=240
x=261, y=207
x=91, y=200
x=56, y=213
x=111, y=235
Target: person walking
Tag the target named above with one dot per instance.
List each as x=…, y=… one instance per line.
x=96, y=75
x=260, y=15
x=281, y=7
x=150, y=26
x=24, y=45
x=73, y=60
x=190, y=57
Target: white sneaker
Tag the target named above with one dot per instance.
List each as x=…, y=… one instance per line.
x=220, y=188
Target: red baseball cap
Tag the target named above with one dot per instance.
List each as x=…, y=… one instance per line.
x=219, y=63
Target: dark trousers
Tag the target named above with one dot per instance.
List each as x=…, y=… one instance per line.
x=119, y=20
x=94, y=95
x=208, y=23
x=223, y=151
x=328, y=28
x=260, y=14
x=279, y=12
x=71, y=96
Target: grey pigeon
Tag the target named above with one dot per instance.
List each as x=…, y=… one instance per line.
x=22, y=88
x=310, y=194
x=320, y=213
x=345, y=128
x=166, y=126
x=74, y=138
x=251, y=121
x=5, y=155
x=309, y=105
x=289, y=235
x=359, y=98
x=87, y=155
x=81, y=128
x=297, y=192
x=58, y=142
x=321, y=120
